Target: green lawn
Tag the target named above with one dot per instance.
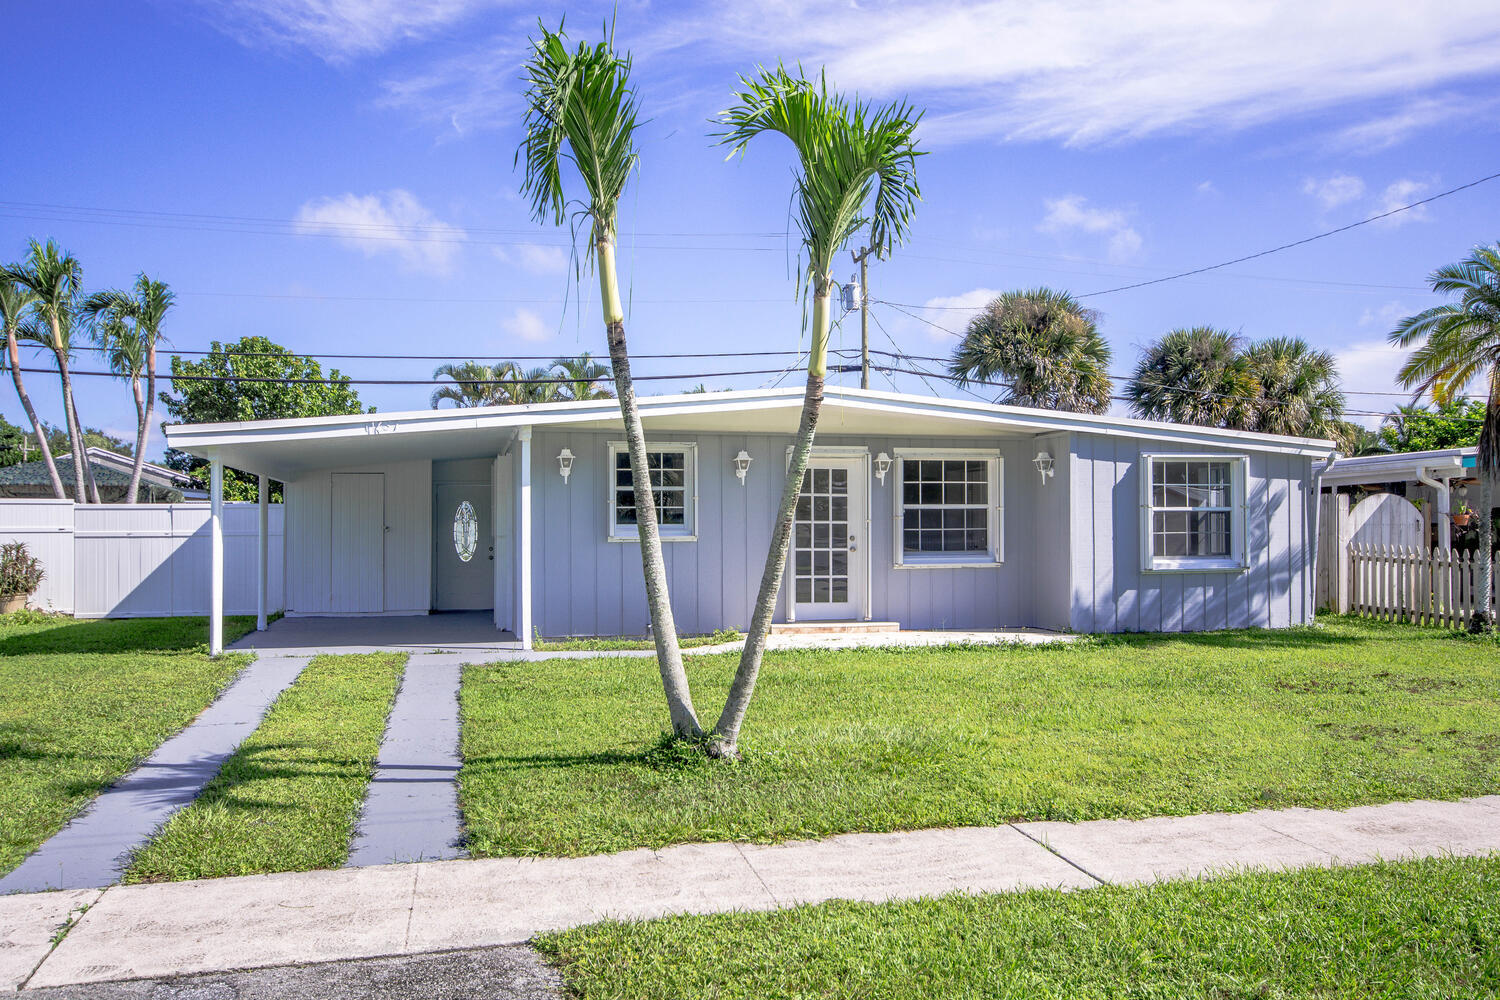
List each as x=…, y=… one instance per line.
x=599, y=644
x=288, y=797
x=81, y=702
x=564, y=757
x=1415, y=929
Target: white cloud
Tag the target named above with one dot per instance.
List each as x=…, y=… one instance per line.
x=387, y=222
x=337, y=30
x=1384, y=318
x=526, y=325
x=1206, y=189
x=541, y=259
x=1331, y=192
x=1390, y=128
x=1072, y=213
x=1398, y=193
x=954, y=312
x=1371, y=365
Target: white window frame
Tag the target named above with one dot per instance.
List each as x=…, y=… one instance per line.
x=685, y=532
x=995, y=510
x=1238, y=561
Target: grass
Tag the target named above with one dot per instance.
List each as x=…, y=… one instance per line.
x=566, y=757
x=1410, y=929
x=288, y=798
x=82, y=702
x=600, y=644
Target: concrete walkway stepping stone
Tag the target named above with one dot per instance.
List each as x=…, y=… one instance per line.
x=411, y=808
x=94, y=848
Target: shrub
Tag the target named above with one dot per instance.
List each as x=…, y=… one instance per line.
x=20, y=571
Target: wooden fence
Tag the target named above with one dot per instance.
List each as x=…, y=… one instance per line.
x=1407, y=584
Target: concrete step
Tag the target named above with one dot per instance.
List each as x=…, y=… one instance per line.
x=833, y=628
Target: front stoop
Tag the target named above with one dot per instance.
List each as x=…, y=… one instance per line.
x=834, y=628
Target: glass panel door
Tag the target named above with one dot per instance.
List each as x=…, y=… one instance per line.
x=830, y=516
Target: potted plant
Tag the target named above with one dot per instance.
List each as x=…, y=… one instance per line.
x=20, y=574
x=1462, y=515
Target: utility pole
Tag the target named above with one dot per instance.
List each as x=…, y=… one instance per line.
x=864, y=316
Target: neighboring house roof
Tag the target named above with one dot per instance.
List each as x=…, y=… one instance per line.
x=1401, y=467
x=35, y=474
x=111, y=474
x=103, y=457
x=286, y=449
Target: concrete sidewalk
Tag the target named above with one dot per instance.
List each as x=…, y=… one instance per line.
x=146, y=931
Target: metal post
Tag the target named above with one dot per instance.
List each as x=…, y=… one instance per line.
x=216, y=557
x=263, y=501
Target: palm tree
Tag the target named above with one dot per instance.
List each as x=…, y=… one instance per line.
x=1297, y=388
x=584, y=375
x=473, y=384
x=1044, y=345
x=15, y=302
x=583, y=99
x=130, y=335
x=1460, y=342
x=856, y=171
x=1193, y=375
x=538, y=385
x=53, y=277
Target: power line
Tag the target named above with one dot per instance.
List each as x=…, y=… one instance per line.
x=424, y=382
x=229, y=351
x=1295, y=243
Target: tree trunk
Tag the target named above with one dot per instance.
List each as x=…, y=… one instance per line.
x=83, y=443
x=726, y=733
x=13, y=350
x=70, y=419
x=674, y=680
x=140, y=442
x=1488, y=468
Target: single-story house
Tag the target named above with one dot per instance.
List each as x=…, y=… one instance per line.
x=159, y=484
x=927, y=512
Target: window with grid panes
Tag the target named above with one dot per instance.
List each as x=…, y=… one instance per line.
x=946, y=509
x=671, y=470
x=1192, y=513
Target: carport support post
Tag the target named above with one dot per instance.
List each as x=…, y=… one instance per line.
x=216, y=557
x=523, y=543
x=263, y=563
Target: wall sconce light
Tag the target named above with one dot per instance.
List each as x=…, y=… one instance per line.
x=1046, y=465
x=565, y=464
x=882, y=466
x=742, y=464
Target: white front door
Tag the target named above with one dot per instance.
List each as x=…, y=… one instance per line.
x=358, y=542
x=829, y=550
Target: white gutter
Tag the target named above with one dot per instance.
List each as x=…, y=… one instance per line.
x=1440, y=491
x=1317, y=532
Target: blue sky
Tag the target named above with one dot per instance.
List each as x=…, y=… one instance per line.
x=339, y=176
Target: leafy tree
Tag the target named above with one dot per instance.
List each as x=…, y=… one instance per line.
x=15, y=302
x=1193, y=375
x=475, y=383
x=251, y=379
x=585, y=377
x=1044, y=345
x=11, y=450
x=129, y=330
x=1454, y=424
x=856, y=171
x=1458, y=343
x=472, y=384
x=53, y=277
x=582, y=99
x=93, y=437
x=1296, y=388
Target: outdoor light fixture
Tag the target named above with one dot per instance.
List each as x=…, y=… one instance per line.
x=742, y=464
x=1045, y=465
x=565, y=464
x=882, y=466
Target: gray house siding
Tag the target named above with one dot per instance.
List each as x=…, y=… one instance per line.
x=1047, y=531
x=1110, y=591
x=585, y=584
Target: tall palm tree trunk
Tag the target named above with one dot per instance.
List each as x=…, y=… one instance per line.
x=140, y=442
x=1488, y=468
x=145, y=431
x=83, y=442
x=727, y=732
x=75, y=436
x=663, y=627
x=13, y=351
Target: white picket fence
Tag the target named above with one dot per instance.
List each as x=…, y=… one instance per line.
x=1407, y=584
x=140, y=560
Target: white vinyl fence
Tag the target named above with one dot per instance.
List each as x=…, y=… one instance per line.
x=1402, y=583
x=140, y=560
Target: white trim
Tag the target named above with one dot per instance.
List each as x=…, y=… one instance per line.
x=1239, y=513
x=199, y=439
x=830, y=451
x=995, y=510
x=688, y=530
x=263, y=552
x=856, y=461
x=523, y=543
x=216, y=558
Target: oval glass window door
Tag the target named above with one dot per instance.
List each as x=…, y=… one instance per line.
x=465, y=531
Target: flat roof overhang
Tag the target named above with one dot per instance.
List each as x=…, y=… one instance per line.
x=289, y=449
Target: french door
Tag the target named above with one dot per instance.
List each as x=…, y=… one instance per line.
x=829, y=550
